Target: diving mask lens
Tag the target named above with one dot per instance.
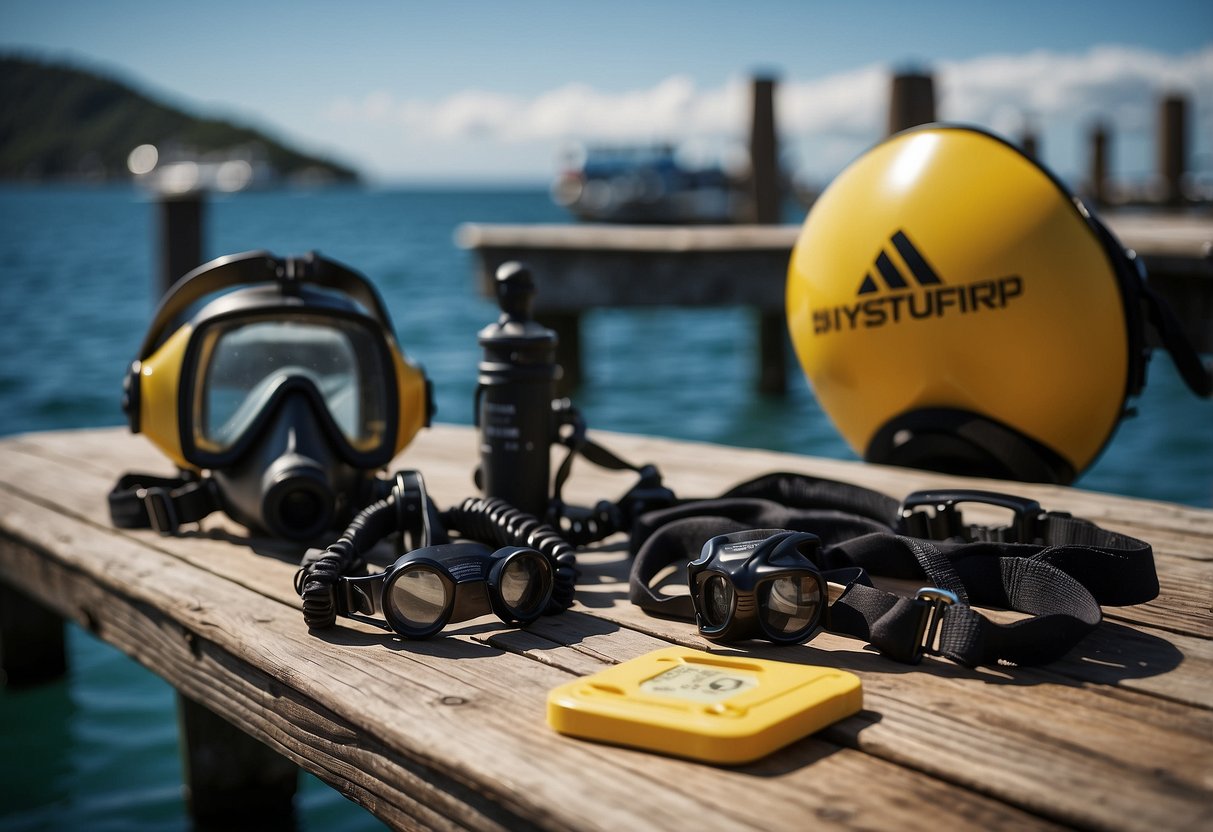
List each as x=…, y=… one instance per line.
x=790, y=605
x=248, y=363
x=718, y=599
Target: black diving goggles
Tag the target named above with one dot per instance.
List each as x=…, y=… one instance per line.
x=429, y=588
x=762, y=583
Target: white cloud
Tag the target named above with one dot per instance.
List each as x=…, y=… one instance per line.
x=1117, y=83
x=825, y=121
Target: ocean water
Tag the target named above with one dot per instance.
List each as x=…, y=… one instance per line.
x=98, y=750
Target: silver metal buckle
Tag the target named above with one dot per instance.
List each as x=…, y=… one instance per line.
x=932, y=617
x=160, y=512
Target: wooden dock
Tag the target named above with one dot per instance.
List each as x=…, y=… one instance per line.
x=579, y=268
x=450, y=733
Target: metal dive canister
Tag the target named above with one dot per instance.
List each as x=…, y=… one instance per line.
x=514, y=395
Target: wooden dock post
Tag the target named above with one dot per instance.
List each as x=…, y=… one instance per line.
x=912, y=101
x=1097, y=184
x=765, y=193
x=567, y=326
x=232, y=780
x=1173, y=147
x=1029, y=143
x=181, y=219
x=31, y=640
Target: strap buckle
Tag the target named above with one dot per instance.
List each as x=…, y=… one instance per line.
x=932, y=618
x=158, y=503
x=946, y=520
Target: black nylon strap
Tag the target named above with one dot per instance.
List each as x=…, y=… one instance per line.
x=147, y=501
x=606, y=518
x=1191, y=369
x=1060, y=579
x=800, y=491
x=678, y=541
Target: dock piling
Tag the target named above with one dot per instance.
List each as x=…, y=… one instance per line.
x=1029, y=143
x=232, y=780
x=567, y=326
x=31, y=641
x=766, y=196
x=1097, y=185
x=1172, y=147
x=181, y=218
x=912, y=100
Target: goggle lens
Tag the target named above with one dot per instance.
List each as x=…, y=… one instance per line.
x=523, y=582
x=791, y=604
x=717, y=602
x=418, y=597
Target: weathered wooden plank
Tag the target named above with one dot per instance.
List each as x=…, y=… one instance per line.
x=1016, y=735
x=1173, y=234
x=474, y=724
x=1020, y=735
x=446, y=454
x=895, y=737
x=1180, y=607
x=580, y=267
x=245, y=696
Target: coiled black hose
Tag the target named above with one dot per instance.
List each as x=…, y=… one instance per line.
x=496, y=522
x=590, y=526
x=316, y=580
x=492, y=521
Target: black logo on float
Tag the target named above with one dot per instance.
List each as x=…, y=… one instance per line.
x=890, y=296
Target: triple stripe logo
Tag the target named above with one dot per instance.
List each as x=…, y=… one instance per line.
x=912, y=291
x=920, y=269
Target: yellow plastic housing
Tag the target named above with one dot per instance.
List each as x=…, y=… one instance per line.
x=1024, y=322
x=159, y=381
x=414, y=401
x=689, y=703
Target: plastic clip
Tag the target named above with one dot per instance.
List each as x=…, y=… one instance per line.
x=946, y=520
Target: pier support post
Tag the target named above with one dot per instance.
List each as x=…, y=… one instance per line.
x=31, y=640
x=567, y=326
x=1172, y=147
x=233, y=780
x=767, y=202
x=180, y=219
x=1098, y=184
x=764, y=153
x=912, y=101
x=1029, y=143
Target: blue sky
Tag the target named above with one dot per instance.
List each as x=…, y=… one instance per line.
x=477, y=90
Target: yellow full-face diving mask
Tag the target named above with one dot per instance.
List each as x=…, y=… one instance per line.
x=282, y=378
x=955, y=308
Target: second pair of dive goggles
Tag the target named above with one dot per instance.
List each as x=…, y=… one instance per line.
x=762, y=583
x=517, y=567
x=1055, y=568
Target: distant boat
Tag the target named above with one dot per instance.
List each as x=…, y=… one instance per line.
x=645, y=184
